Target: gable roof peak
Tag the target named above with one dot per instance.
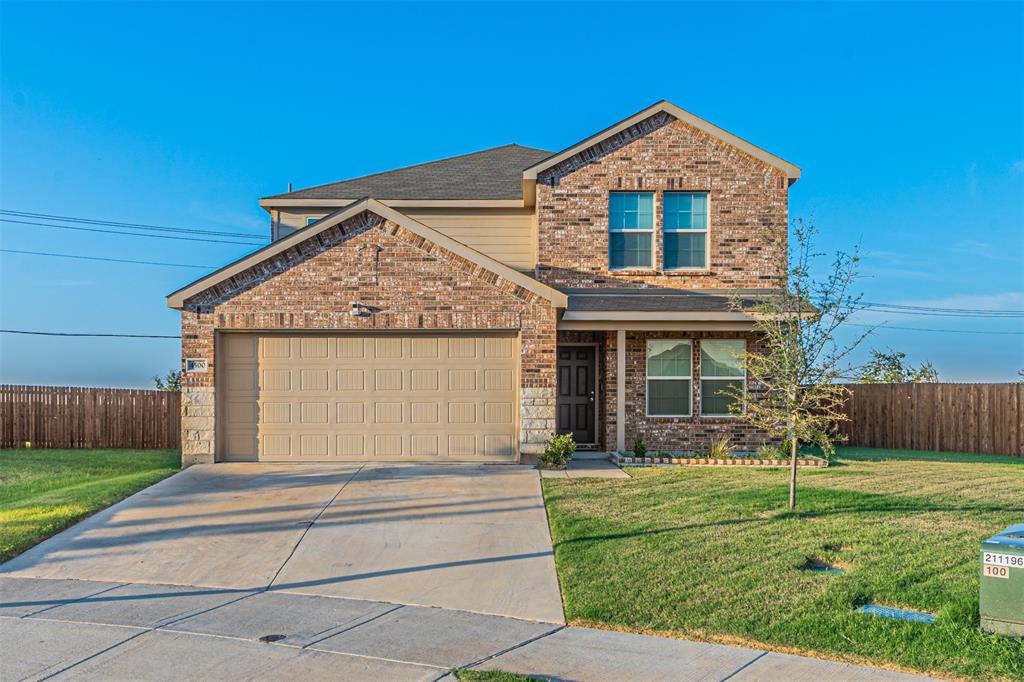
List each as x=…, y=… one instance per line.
x=664, y=106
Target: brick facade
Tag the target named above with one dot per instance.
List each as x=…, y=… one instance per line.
x=747, y=208
x=670, y=434
x=409, y=282
x=412, y=283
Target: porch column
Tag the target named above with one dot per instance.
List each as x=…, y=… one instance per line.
x=620, y=390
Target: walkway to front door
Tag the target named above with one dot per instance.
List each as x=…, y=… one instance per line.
x=577, y=399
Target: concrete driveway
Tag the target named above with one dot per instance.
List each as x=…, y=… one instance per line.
x=330, y=572
x=466, y=537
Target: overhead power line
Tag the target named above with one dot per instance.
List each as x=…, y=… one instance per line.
x=110, y=260
x=135, y=226
x=958, y=310
x=941, y=312
x=945, y=331
x=120, y=336
x=130, y=234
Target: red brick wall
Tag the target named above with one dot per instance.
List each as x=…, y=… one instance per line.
x=411, y=283
x=665, y=433
x=680, y=433
x=747, y=208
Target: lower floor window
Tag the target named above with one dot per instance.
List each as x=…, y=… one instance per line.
x=668, y=378
x=722, y=375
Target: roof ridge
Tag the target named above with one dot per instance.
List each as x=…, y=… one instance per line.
x=402, y=168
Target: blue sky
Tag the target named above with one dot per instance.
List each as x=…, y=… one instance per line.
x=908, y=120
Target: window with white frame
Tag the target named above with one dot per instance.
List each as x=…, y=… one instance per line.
x=630, y=230
x=310, y=220
x=721, y=373
x=668, y=378
x=685, y=230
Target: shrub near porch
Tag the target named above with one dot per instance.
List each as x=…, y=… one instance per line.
x=710, y=554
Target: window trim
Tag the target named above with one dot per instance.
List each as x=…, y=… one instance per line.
x=729, y=378
x=675, y=230
x=648, y=379
x=651, y=231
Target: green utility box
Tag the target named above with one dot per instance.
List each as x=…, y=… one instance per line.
x=1002, y=582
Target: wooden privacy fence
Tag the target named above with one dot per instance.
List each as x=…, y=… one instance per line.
x=985, y=418
x=68, y=417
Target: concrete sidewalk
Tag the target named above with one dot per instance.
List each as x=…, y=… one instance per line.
x=71, y=629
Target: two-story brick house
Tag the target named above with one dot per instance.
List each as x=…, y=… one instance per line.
x=469, y=308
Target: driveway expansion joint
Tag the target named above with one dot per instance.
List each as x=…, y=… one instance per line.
x=310, y=524
x=525, y=642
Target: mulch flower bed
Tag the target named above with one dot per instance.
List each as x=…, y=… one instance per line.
x=623, y=460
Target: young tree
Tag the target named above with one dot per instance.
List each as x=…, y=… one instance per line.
x=891, y=368
x=793, y=373
x=171, y=383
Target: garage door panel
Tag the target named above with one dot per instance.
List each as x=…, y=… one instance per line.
x=424, y=445
x=351, y=446
x=350, y=413
x=423, y=413
x=313, y=413
x=386, y=445
x=350, y=347
x=350, y=380
x=463, y=445
x=361, y=397
x=387, y=413
x=462, y=380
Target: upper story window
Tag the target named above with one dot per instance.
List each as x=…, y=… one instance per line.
x=721, y=374
x=686, y=230
x=630, y=230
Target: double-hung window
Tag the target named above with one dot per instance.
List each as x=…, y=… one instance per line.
x=630, y=230
x=668, y=378
x=686, y=230
x=721, y=376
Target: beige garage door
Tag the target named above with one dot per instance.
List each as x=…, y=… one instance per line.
x=355, y=397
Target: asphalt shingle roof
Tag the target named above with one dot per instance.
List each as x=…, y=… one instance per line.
x=660, y=300
x=495, y=173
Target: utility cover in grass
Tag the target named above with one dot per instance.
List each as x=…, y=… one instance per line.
x=897, y=614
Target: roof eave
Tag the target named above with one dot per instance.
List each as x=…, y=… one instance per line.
x=277, y=202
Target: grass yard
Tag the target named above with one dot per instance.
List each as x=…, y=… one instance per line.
x=711, y=554
x=491, y=676
x=44, y=491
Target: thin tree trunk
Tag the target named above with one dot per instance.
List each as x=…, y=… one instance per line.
x=792, y=473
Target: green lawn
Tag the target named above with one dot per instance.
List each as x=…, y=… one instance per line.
x=491, y=676
x=706, y=553
x=44, y=491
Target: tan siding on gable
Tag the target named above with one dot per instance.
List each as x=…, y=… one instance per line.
x=501, y=233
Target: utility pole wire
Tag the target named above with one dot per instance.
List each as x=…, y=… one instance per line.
x=111, y=260
x=73, y=334
x=130, y=234
x=114, y=223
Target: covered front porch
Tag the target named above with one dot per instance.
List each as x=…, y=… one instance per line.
x=659, y=366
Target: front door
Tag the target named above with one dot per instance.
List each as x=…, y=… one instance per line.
x=576, y=386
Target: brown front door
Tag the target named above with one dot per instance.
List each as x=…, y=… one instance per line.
x=576, y=386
